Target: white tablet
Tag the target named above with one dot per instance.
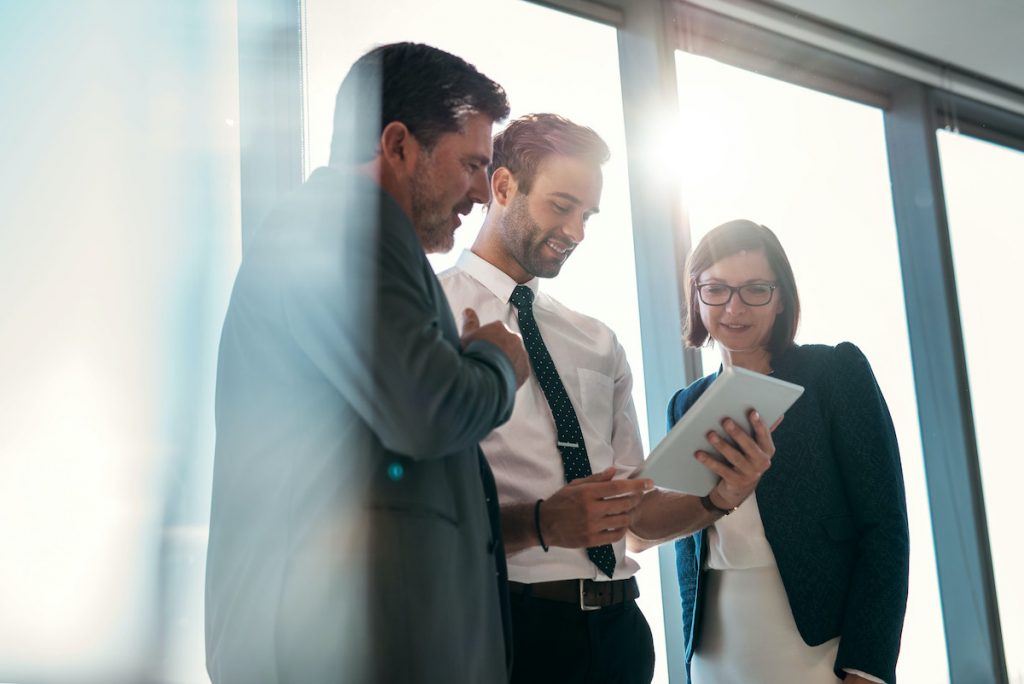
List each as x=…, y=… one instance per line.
x=732, y=395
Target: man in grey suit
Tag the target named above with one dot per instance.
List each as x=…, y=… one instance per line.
x=354, y=532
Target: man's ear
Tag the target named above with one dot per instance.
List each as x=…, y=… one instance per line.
x=503, y=186
x=399, y=148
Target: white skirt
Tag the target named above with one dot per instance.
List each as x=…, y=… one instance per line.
x=749, y=635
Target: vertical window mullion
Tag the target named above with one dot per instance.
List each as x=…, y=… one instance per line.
x=647, y=74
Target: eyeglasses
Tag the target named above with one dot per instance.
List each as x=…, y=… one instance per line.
x=751, y=294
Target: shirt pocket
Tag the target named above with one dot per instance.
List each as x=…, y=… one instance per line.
x=596, y=398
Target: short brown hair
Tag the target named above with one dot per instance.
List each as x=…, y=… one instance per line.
x=525, y=142
x=724, y=241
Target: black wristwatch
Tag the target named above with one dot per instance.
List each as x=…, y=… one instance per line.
x=710, y=506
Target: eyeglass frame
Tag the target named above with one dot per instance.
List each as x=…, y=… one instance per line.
x=734, y=291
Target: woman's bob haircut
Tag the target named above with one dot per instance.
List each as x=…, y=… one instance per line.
x=724, y=241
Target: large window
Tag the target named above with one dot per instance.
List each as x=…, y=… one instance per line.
x=528, y=57
x=813, y=168
x=986, y=223
x=119, y=201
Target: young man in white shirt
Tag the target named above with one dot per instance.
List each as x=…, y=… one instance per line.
x=574, y=428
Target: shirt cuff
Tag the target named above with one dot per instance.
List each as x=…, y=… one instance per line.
x=865, y=675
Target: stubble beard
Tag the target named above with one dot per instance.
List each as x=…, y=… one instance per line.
x=523, y=239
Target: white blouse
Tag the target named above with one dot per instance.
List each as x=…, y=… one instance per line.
x=737, y=541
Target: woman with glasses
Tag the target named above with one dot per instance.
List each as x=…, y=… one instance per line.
x=806, y=581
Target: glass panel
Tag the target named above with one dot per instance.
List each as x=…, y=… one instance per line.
x=119, y=239
x=813, y=168
x=540, y=75
x=982, y=184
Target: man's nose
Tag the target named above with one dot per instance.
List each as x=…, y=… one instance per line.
x=575, y=228
x=479, y=187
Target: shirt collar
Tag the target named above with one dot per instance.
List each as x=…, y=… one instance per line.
x=492, y=277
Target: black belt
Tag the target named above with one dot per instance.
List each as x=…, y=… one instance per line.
x=585, y=593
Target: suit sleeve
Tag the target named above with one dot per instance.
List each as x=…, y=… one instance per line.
x=674, y=412
x=864, y=442
x=368, y=323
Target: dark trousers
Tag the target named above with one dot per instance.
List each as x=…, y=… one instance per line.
x=557, y=642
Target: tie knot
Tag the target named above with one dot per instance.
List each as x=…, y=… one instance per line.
x=522, y=297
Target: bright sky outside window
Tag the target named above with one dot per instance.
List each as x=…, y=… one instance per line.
x=986, y=225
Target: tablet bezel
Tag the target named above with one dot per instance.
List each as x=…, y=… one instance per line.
x=732, y=395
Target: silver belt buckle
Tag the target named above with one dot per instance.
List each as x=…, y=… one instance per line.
x=583, y=603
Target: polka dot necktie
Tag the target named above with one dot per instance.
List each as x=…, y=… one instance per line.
x=570, y=438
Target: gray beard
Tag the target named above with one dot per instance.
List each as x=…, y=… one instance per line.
x=429, y=218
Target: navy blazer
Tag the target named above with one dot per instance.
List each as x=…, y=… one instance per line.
x=833, y=508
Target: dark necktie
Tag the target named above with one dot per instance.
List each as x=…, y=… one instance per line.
x=570, y=437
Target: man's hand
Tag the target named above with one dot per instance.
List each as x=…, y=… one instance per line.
x=747, y=461
x=591, y=511
x=498, y=334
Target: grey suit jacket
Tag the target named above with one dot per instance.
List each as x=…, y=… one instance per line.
x=351, y=538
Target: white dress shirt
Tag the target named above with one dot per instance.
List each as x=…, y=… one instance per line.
x=522, y=453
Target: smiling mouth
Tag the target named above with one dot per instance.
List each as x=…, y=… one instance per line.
x=559, y=248
x=734, y=326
